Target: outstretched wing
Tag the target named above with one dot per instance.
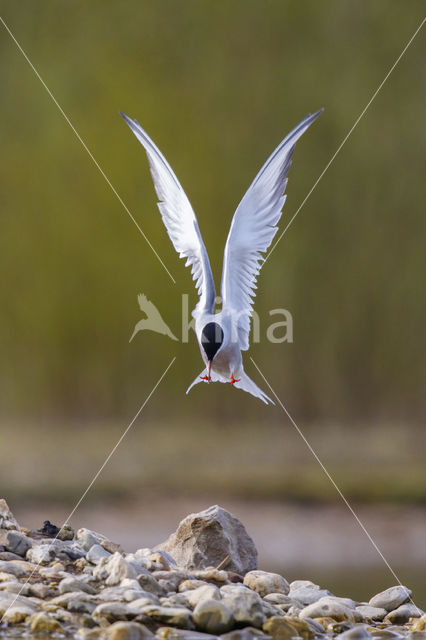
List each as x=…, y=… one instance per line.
x=179, y=219
x=252, y=230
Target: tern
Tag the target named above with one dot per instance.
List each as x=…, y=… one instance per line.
x=222, y=336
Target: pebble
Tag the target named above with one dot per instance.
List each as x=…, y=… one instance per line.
x=42, y=554
x=205, y=592
x=308, y=595
x=371, y=613
x=174, y=616
x=358, y=632
x=303, y=628
x=328, y=606
x=249, y=633
x=264, y=582
x=246, y=605
x=279, y=629
x=85, y=586
x=113, y=569
x=15, y=542
x=7, y=519
x=44, y=623
x=74, y=584
x=96, y=553
x=213, y=616
x=403, y=613
x=391, y=598
x=111, y=611
x=170, y=633
x=17, y=613
x=138, y=605
x=127, y=631
x=66, y=533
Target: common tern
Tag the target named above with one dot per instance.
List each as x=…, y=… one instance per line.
x=222, y=336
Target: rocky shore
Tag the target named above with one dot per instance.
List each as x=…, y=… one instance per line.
x=201, y=584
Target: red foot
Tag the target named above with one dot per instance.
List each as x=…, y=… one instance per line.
x=233, y=380
x=208, y=378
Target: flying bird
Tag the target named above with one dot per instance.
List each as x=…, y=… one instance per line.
x=222, y=336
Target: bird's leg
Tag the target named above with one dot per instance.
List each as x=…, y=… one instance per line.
x=208, y=378
x=233, y=380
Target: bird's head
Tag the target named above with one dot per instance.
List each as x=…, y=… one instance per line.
x=211, y=341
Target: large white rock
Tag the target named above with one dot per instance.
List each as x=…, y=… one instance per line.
x=212, y=538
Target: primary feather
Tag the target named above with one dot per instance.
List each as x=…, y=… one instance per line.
x=252, y=230
x=179, y=219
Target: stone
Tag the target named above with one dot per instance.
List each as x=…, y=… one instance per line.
x=213, y=616
x=41, y=554
x=44, y=623
x=15, y=541
x=391, y=598
x=168, y=633
x=245, y=605
x=359, y=632
x=330, y=607
x=66, y=533
x=170, y=580
x=87, y=538
x=249, y=633
x=303, y=584
x=308, y=595
x=96, y=553
x=279, y=599
x=206, y=592
x=138, y=605
x=303, y=628
x=419, y=624
x=13, y=568
x=208, y=538
x=111, y=611
x=265, y=582
x=127, y=631
x=17, y=613
x=76, y=601
x=74, y=584
x=371, y=613
x=149, y=583
x=280, y=629
x=178, y=617
x=212, y=575
x=271, y=610
x=7, y=519
x=189, y=585
x=113, y=569
x=403, y=613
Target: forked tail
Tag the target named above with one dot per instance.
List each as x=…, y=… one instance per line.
x=244, y=383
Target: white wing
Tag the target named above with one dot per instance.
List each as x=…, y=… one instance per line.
x=253, y=229
x=179, y=219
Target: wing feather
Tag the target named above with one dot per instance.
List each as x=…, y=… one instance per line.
x=252, y=230
x=179, y=219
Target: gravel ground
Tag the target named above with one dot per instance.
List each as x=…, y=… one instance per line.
x=203, y=583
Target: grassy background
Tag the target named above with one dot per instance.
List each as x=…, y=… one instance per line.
x=217, y=85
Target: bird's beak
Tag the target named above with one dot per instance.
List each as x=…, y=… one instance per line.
x=209, y=370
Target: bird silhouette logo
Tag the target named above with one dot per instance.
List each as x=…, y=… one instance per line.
x=153, y=320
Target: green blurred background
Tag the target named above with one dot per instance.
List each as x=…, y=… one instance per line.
x=217, y=85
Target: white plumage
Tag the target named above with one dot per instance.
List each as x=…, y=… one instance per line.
x=224, y=335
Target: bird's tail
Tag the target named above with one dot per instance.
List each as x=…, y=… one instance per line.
x=245, y=383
